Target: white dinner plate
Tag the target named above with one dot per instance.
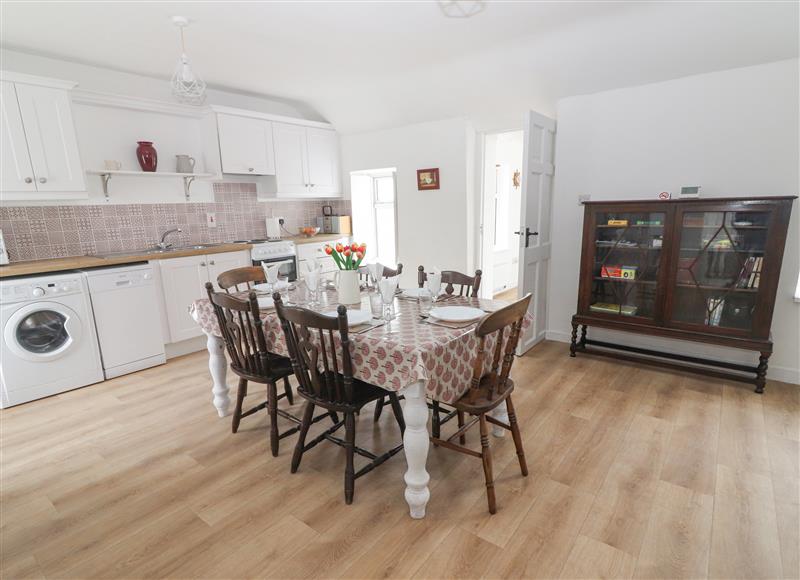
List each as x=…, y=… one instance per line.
x=414, y=292
x=456, y=313
x=354, y=317
x=265, y=302
x=267, y=288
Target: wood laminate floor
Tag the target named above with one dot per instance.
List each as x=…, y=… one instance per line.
x=634, y=472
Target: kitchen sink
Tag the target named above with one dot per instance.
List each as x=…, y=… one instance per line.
x=154, y=251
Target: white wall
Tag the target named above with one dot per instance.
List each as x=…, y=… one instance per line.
x=735, y=133
x=433, y=225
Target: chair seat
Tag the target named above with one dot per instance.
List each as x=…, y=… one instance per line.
x=478, y=402
x=280, y=367
x=363, y=393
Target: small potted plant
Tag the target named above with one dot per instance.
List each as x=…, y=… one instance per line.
x=348, y=259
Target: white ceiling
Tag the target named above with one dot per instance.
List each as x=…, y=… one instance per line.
x=370, y=65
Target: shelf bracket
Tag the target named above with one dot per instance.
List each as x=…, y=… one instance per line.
x=187, y=183
x=105, y=178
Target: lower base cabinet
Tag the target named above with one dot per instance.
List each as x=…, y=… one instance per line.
x=183, y=281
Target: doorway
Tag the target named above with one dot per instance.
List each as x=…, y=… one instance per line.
x=501, y=213
x=374, y=214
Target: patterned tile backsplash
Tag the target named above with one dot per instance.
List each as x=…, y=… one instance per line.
x=35, y=233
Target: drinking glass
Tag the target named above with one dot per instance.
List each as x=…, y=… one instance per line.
x=312, y=284
x=376, y=304
x=387, y=291
x=425, y=301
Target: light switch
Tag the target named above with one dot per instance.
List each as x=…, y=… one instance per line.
x=211, y=219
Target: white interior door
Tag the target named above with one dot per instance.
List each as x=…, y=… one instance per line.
x=535, y=216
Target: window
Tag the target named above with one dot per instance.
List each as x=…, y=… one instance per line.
x=374, y=221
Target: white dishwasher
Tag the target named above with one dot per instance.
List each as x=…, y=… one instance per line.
x=126, y=315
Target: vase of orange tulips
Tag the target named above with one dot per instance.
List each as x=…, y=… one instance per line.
x=348, y=259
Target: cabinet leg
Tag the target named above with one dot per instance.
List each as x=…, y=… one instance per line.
x=573, y=340
x=761, y=372
x=582, y=343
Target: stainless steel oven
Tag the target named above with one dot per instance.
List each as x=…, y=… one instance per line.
x=278, y=252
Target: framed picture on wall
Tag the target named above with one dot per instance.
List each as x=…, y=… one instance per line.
x=428, y=178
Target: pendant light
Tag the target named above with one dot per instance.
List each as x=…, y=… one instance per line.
x=186, y=86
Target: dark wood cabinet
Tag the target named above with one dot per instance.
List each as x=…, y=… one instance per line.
x=704, y=270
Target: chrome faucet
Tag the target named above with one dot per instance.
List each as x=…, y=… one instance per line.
x=163, y=245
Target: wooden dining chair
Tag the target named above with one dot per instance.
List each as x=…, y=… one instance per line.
x=312, y=339
x=241, y=279
x=243, y=334
x=490, y=389
x=467, y=285
x=387, y=271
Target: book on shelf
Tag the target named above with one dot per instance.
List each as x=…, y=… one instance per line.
x=610, y=308
x=648, y=222
x=617, y=222
x=714, y=307
x=750, y=274
x=623, y=272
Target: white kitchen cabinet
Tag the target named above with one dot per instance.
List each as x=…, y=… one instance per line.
x=316, y=250
x=245, y=145
x=38, y=128
x=17, y=171
x=183, y=281
x=323, y=162
x=306, y=161
x=291, y=171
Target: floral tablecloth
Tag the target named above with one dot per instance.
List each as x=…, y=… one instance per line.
x=392, y=356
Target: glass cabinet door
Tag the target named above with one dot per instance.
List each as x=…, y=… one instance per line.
x=721, y=256
x=627, y=258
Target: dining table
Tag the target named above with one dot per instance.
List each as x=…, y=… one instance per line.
x=411, y=354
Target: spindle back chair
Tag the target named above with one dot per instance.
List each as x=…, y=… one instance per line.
x=467, y=285
x=319, y=348
x=490, y=388
x=242, y=331
x=241, y=279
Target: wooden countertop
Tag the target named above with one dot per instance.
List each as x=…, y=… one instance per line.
x=81, y=262
x=318, y=239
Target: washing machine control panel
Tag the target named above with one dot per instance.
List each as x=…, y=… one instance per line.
x=43, y=288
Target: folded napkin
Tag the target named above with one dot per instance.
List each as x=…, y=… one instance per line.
x=435, y=281
x=388, y=287
x=376, y=270
x=271, y=272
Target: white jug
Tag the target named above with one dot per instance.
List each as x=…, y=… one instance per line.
x=347, y=287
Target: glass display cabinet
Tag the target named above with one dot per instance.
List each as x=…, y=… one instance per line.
x=702, y=269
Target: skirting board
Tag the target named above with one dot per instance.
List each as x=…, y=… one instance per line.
x=776, y=373
x=183, y=347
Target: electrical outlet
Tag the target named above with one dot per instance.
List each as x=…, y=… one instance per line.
x=583, y=198
x=211, y=219
x=281, y=221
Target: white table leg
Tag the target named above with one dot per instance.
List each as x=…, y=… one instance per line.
x=218, y=365
x=500, y=412
x=416, y=443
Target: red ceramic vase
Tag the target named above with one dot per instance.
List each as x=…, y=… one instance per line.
x=147, y=156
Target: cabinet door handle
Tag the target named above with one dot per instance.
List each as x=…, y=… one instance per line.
x=251, y=169
x=28, y=180
x=312, y=185
x=42, y=180
x=212, y=262
x=202, y=263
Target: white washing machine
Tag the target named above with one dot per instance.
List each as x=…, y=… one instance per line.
x=49, y=343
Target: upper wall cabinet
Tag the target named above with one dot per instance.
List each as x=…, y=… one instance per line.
x=40, y=158
x=245, y=145
x=306, y=161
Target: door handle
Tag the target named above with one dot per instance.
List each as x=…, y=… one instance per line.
x=28, y=180
x=527, y=233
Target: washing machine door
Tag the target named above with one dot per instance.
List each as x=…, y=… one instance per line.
x=43, y=331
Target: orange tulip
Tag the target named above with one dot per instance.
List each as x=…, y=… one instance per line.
x=328, y=250
x=347, y=251
x=359, y=254
x=339, y=247
x=354, y=247
x=363, y=248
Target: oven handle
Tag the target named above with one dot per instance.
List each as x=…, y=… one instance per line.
x=278, y=261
